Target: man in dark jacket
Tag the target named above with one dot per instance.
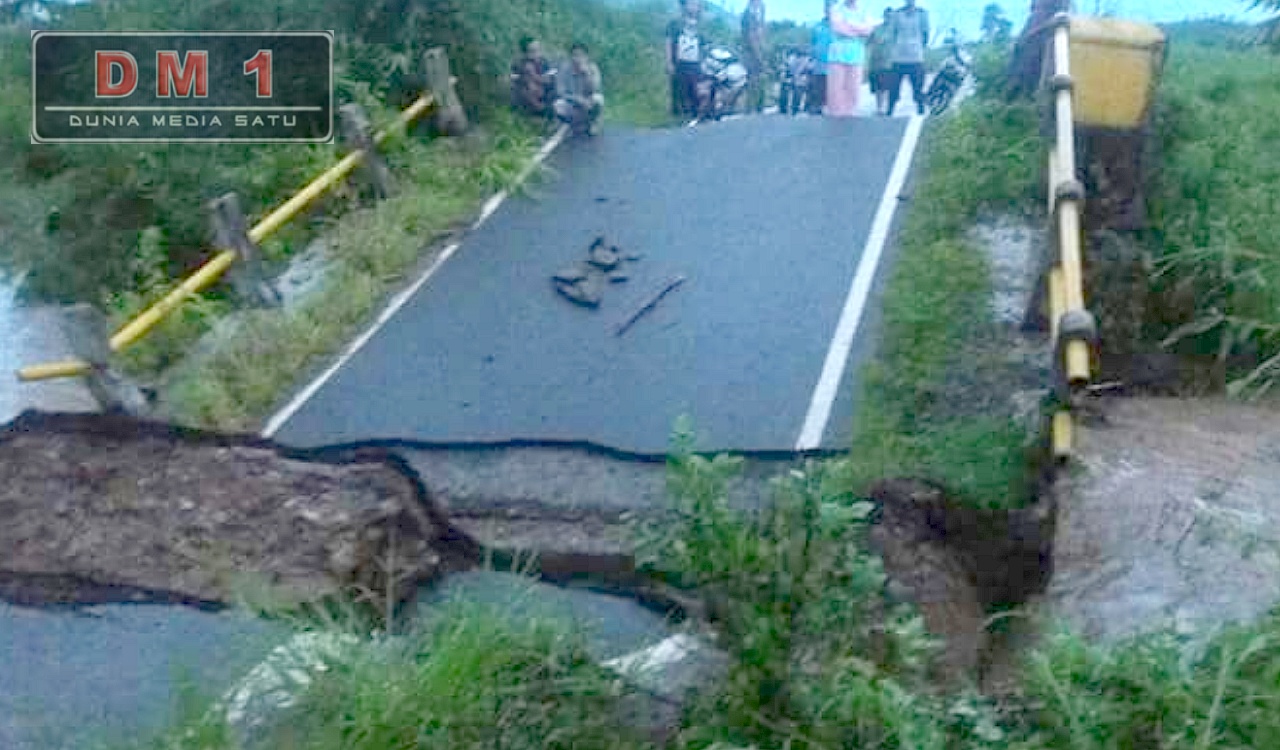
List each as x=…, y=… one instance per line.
x=908, y=40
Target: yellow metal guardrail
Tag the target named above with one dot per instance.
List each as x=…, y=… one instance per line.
x=213, y=269
x=1072, y=328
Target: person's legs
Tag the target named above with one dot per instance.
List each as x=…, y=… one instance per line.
x=593, y=114
x=573, y=115
x=677, y=99
x=689, y=73
x=755, y=83
x=855, y=88
x=916, y=74
x=817, y=93
x=840, y=99
x=895, y=87
x=883, y=80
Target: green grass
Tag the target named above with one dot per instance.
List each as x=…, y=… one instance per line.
x=465, y=678
x=821, y=658
x=937, y=314
x=1213, y=203
x=470, y=679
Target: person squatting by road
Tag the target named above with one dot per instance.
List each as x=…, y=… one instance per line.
x=909, y=37
x=846, y=56
x=685, y=48
x=753, y=53
x=532, y=80
x=579, y=96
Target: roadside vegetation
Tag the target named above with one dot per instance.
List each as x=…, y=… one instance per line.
x=986, y=159
x=1216, y=245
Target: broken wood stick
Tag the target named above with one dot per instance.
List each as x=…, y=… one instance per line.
x=647, y=306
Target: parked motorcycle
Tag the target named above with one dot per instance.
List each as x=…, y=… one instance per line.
x=724, y=79
x=946, y=84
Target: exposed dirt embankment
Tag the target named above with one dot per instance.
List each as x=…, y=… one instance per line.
x=102, y=508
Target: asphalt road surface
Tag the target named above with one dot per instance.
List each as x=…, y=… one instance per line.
x=112, y=676
x=767, y=218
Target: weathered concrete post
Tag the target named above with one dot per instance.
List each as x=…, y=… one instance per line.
x=89, y=336
x=247, y=276
x=357, y=133
x=450, y=118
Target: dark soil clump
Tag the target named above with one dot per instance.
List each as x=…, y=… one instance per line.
x=110, y=508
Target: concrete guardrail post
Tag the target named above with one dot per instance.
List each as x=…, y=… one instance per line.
x=450, y=118
x=88, y=334
x=357, y=133
x=231, y=232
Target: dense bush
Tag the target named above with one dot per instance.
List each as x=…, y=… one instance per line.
x=1213, y=203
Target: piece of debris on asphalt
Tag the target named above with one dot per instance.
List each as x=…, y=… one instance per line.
x=584, y=291
x=649, y=305
x=571, y=274
x=602, y=256
x=584, y=281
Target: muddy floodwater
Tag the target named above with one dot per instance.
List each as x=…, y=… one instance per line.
x=30, y=335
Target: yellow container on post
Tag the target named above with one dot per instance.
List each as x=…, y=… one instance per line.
x=1115, y=65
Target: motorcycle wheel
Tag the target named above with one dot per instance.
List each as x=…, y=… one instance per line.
x=938, y=99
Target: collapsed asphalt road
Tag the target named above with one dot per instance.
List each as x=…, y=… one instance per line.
x=777, y=225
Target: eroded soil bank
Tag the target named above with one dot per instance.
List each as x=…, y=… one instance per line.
x=109, y=508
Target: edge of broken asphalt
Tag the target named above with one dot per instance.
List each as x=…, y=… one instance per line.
x=481, y=496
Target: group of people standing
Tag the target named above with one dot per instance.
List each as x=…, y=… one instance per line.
x=848, y=44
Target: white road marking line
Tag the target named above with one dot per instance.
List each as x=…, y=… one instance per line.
x=398, y=301
x=824, y=395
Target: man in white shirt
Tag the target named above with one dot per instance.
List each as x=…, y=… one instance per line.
x=684, y=59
